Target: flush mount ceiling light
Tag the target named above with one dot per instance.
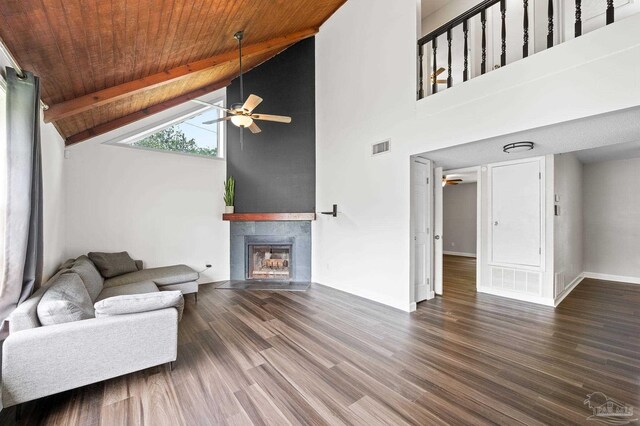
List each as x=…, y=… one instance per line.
x=517, y=147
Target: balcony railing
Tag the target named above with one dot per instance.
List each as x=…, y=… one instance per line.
x=431, y=40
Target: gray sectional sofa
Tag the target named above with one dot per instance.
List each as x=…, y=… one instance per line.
x=80, y=328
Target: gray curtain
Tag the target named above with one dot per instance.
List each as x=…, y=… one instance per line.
x=22, y=269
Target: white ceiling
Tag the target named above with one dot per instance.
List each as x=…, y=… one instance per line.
x=430, y=6
x=604, y=132
x=621, y=151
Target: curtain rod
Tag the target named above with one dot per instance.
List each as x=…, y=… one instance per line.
x=14, y=63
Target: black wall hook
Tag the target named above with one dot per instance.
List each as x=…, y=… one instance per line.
x=334, y=212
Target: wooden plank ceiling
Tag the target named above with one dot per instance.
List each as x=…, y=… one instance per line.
x=104, y=64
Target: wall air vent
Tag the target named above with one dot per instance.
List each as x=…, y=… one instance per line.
x=380, y=147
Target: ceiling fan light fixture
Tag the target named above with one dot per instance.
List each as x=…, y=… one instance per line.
x=242, y=120
x=517, y=147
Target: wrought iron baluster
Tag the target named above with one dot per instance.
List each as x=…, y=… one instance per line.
x=525, y=24
x=610, y=12
x=434, y=77
x=420, y=71
x=503, y=35
x=450, y=75
x=550, y=24
x=465, y=30
x=578, y=24
x=483, y=21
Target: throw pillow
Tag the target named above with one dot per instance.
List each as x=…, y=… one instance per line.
x=113, y=264
x=89, y=274
x=144, y=302
x=65, y=300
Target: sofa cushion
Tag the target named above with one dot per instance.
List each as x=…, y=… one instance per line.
x=113, y=264
x=67, y=264
x=165, y=275
x=91, y=278
x=185, y=288
x=66, y=299
x=135, y=303
x=25, y=316
x=128, y=289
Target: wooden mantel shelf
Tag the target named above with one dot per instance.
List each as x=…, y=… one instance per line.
x=267, y=217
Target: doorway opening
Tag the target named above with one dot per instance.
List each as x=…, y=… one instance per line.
x=460, y=225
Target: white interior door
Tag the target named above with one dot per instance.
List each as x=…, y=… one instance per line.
x=438, y=269
x=421, y=204
x=516, y=213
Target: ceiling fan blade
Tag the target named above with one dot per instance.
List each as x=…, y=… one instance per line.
x=251, y=103
x=198, y=101
x=437, y=73
x=217, y=120
x=254, y=128
x=269, y=117
x=441, y=81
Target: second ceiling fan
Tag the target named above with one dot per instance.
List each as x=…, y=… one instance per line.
x=242, y=115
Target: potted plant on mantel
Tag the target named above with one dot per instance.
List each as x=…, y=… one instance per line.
x=229, y=194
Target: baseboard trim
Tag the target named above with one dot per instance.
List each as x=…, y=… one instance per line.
x=458, y=253
x=569, y=289
x=413, y=306
x=371, y=296
x=608, y=277
x=523, y=297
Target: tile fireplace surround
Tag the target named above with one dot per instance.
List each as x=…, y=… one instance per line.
x=296, y=233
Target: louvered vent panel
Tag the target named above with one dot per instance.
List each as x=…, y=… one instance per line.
x=380, y=147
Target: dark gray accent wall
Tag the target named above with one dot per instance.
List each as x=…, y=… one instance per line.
x=275, y=170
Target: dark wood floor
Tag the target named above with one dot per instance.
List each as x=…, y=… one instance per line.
x=324, y=357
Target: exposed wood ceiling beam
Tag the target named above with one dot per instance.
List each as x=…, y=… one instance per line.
x=154, y=109
x=111, y=94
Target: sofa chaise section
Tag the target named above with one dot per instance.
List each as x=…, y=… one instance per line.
x=77, y=347
x=176, y=277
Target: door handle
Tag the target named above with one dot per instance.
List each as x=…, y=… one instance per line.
x=495, y=223
x=437, y=237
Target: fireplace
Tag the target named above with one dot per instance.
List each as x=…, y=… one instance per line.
x=271, y=250
x=270, y=257
x=269, y=262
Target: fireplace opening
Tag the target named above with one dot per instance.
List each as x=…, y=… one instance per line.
x=269, y=262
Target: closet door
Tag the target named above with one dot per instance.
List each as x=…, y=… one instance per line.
x=516, y=213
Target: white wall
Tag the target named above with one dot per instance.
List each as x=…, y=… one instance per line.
x=446, y=13
x=568, y=226
x=612, y=218
x=365, y=57
x=459, y=205
x=162, y=208
x=54, y=190
x=3, y=162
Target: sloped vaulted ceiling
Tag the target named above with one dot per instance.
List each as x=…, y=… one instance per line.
x=106, y=63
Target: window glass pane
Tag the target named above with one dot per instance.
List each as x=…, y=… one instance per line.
x=187, y=136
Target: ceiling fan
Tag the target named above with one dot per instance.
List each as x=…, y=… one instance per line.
x=446, y=181
x=434, y=77
x=242, y=115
